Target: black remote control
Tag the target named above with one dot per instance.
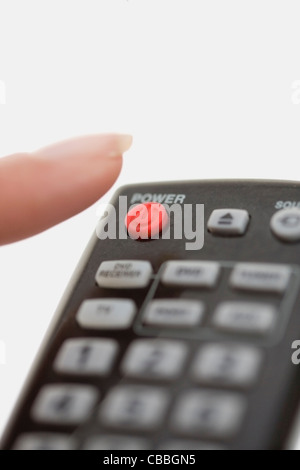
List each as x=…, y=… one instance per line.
x=178, y=327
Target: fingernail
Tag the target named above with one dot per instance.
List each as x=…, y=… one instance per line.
x=92, y=146
x=122, y=142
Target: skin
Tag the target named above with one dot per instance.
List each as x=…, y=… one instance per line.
x=45, y=187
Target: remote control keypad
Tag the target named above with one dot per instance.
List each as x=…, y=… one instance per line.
x=209, y=404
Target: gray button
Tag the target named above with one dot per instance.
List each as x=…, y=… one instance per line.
x=64, y=403
x=285, y=224
x=101, y=314
x=228, y=221
x=209, y=413
x=134, y=407
x=44, y=441
x=174, y=313
x=115, y=442
x=245, y=317
x=260, y=277
x=180, y=444
x=190, y=273
x=86, y=356
x=154, y=359
x=227, y=364
x=122, y=274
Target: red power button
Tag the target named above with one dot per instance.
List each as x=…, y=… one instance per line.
x=146, y=221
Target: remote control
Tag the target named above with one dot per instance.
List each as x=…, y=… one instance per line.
x=179, y=329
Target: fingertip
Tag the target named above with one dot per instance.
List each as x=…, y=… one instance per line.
x=57, y=182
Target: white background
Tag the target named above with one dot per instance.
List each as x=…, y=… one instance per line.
x=205, y=87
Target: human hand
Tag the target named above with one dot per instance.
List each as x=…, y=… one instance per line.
x=42, y=188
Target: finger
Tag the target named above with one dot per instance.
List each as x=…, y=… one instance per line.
x=42, y=188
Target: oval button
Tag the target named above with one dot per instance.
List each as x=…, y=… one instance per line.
x=285, y=224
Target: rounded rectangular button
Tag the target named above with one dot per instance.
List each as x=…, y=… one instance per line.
x=106, y=314
x=174, y=313
x=209, y=413
x=180, y=444
x=124, y=274
x=190, y=273
x=227, y=365
x=115, y=442
x=86, y=356
x=245, y=317
x=260, y=277
x=64, y=403
x=44, y=441
x=134, y=407
x=154, y=359
x=228, y=221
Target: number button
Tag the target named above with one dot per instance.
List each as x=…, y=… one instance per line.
x=134, y=407
x=115, y=442
x=64, y=403
x=189, y=445
x=209, y=413
x=154, y=359
x=86, y=356
x=44, y=441
x=227, y=364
